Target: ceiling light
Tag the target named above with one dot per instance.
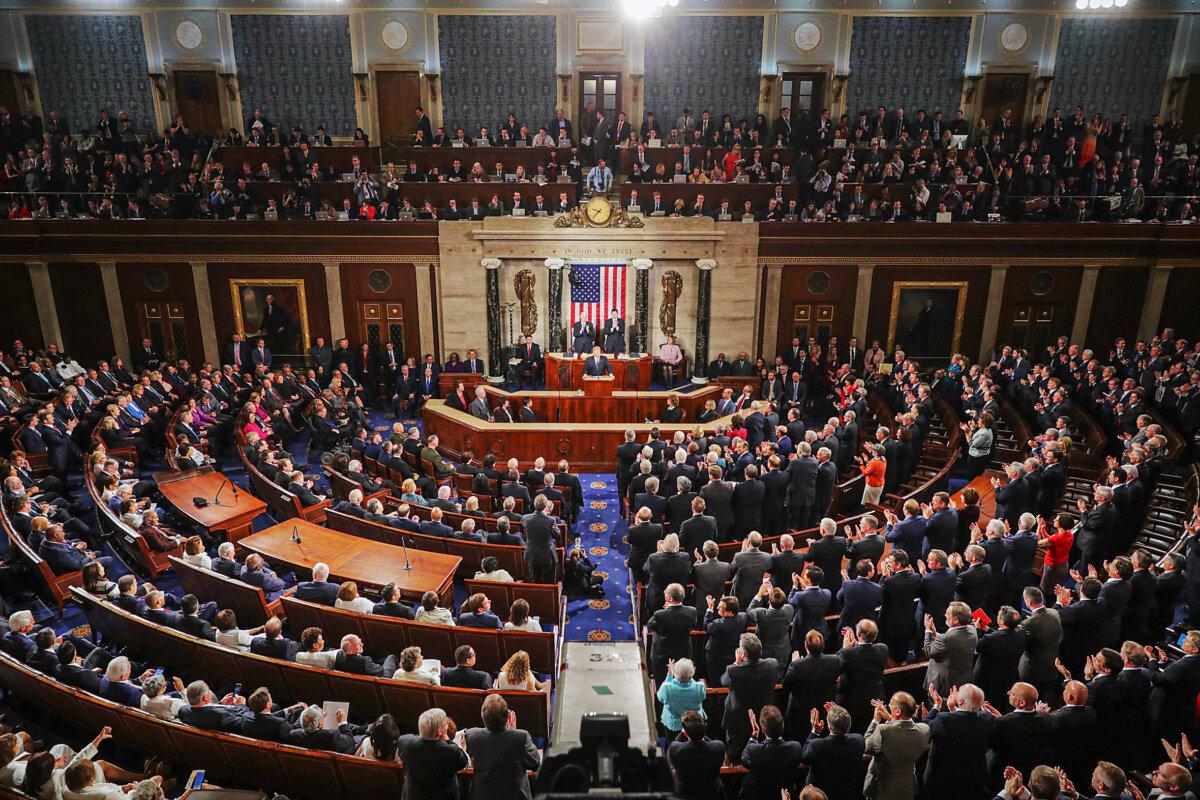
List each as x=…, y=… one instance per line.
x=637, y=9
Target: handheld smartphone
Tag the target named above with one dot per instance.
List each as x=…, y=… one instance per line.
x=158, y=671
x=237, y=689
x=196, y=780
x=1179, y=641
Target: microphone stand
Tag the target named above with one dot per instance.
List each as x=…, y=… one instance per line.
x=217, y=497
x=404, y=546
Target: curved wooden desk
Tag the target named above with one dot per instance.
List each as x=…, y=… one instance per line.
x=589, y=442
x=630, y=373
x=370, y=564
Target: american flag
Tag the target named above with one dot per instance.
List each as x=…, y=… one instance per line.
x=596, y=289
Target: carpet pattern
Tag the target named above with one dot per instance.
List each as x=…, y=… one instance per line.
x=601, y=532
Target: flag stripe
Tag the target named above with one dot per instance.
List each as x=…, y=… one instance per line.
x=597, y=289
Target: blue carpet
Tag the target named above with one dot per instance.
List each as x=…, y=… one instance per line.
x=602, y=536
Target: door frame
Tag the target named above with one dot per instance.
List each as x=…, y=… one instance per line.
x=169, y=104
x=986, y=70
x=784, y=67
x=369, y=109
x=625, y=81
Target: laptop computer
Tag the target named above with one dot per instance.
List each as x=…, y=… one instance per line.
x=958, y=140
x=679, y=179
x=519, y=212
x=563, y=179
x=404, y=216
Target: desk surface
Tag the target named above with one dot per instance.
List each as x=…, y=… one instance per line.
x=987, y=495
x=234, y=509
x=369, y=564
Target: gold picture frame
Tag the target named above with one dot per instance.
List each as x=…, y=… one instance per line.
x=243, y=290
x=902, y=306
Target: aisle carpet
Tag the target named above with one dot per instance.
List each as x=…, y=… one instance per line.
x=601, y=532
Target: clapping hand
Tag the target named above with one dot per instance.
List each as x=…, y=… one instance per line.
x=934, y=697
x=1062, y=668
x=753, y=723
x=815, y=722
x=710, y=602
x=1013, y=783
x=882, y=714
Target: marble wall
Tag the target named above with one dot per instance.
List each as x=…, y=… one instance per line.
x=461, y=279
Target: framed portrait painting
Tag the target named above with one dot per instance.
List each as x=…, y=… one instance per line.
x=274, y=309
x=927, y=318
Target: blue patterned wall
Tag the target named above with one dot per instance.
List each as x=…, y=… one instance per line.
x=703, y=62
x=916, y=62
x=87, y=62
x=496, y=63
x=297, y=68
x=1114, y=66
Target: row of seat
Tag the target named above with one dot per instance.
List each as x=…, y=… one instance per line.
x=385, y=636
x=292, y=682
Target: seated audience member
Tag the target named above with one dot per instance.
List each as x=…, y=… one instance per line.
x=477, y=613
x=389, y=604
x=463, y=674
x=412, y=669
x=351, y=658
x=320, y=589
x=349, y=599
x=312, y=650
x=519, y=619
x=430, y=612
x=230, y=635
x=515, y=675
x=489, y=570
x=311, y=733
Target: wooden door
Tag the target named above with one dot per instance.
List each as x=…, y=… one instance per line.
x=809, y=320
x=1032, y=327
x=804, y=94
x=163, y=323
x=601, y=88
x=1190, y=117
x=1005, y=91
x=198, y=100
x=383, y=322
x=397, y=95
x=8, y=92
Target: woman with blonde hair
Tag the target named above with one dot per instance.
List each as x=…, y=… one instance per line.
x=516, y=676
x=193, y=553
x=409, y=493
x=349, y=599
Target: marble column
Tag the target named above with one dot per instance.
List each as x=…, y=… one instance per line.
x=43, y=298
x=557, y=340
x=641, y=304
x=772, y=275
x=703, y=319
x=1156, y=294
x=333, y=295
x=991, y=317
x=204, y=309
x=116, y=308
x=1083, y=306
x=862, y=302
x=496, y=355
x=425, y=306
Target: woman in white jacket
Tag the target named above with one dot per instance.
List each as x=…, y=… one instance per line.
x=44, y=776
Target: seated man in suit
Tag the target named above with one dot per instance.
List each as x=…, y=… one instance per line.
x=303, y=489
x=530, y=354
x=310, y=733
x=263, y=722
x=389, y=604
x=272, y=643
x=225, y=563
x=596, y=364
x=204, y=712
x=478, y=613
x=527, y=413
x=256, y=573
x=351, y=658
x=64, y=558
x=463, y=674
x=320, y=589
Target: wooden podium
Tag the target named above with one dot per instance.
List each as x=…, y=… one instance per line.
x=598, y=386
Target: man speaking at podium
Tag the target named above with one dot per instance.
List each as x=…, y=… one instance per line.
x=596, y=365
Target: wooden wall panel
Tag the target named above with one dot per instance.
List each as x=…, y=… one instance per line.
x=20, y=317
x=221, y=274
x=355, y=288
x=977, y=279
x=181, y=288
x=1020, y=298
x=1179, y=307
x=82, y=307
x=794, y=290
x=1117, y=309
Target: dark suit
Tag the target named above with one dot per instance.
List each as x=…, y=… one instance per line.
x=672, y=627
x=323, y=592
x=862, y=680
x=809, y=682
x=835, y=764
x=1021, y=740
x=696, y=767
x=957, y=766
x=466, y=678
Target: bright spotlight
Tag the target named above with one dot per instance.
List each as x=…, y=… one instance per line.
x=638, y=9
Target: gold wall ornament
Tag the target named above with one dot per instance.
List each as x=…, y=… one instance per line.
x=598, y=212
x=523, y=285
x=672, y=284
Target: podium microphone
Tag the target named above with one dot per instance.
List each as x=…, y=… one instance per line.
x=295, y=535
x=404, y=545
x=217, y=497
